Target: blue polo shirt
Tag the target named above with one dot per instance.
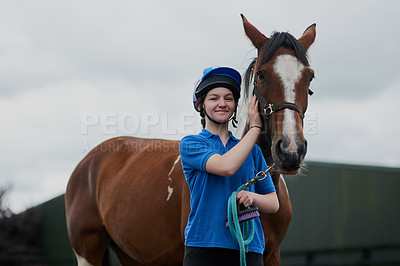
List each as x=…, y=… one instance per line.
x=209, y=193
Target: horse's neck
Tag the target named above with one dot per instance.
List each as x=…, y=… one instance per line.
x=264, y=140
x=265, y=145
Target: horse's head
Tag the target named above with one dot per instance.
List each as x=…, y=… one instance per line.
x=282, y=77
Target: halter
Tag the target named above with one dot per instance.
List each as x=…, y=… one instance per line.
x=270, y=108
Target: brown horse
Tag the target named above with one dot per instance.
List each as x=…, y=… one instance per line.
x=131, y=194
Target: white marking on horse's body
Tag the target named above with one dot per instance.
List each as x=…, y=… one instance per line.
x=170, y=190
x=81, y=260
x=173, y=167
x=289, y=69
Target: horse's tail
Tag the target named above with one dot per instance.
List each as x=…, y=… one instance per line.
x=107, y=258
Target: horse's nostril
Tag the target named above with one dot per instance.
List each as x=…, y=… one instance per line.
x=302, y=149
x=305, y=147
x=279, y=149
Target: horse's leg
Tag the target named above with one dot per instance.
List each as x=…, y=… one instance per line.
x=86, y=232
x=123, y=258
x=273, y=259
x=276, y=225
x=91, y=248
x=89, y=240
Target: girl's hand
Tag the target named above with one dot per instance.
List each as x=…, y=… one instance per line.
x=245, y=197
x=253, y=113
x=267, y=203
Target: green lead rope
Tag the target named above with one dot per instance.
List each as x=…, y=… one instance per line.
x=243, y=233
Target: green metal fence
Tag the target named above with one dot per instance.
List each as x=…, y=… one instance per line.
x=339, y=207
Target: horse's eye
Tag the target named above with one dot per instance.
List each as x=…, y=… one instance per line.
x=260, y=76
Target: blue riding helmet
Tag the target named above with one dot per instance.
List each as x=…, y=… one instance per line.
x=213, y=77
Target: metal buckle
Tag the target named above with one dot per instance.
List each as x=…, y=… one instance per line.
x=269, y=109
x=264, y=175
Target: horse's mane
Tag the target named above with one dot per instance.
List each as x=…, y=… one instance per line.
x=277, y=40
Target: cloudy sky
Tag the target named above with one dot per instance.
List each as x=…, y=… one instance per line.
x=75, y=73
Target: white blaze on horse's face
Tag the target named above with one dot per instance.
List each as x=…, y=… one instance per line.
x=289, y=69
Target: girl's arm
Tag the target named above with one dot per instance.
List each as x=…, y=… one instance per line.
x=267, y=203
x=230, y=162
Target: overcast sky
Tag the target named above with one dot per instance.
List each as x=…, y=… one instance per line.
x=75, y=73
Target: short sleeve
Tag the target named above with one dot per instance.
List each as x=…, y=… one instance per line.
x=195, y=151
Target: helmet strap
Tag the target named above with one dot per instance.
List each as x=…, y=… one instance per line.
x=233, y=118
x=234, y=121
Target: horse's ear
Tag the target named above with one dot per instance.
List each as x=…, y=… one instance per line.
x=256, y=37
x=308, y=36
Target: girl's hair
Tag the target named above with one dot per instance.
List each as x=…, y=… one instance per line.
x=200, y=102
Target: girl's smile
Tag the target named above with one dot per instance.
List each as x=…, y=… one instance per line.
x=220, y=104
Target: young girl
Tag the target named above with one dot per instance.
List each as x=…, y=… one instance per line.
x=215, y=164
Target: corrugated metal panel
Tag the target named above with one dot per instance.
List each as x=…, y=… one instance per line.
x=54, y=241
x=55, y=247
x=338, y=205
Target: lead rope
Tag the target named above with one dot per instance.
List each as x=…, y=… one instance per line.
x=243, y=233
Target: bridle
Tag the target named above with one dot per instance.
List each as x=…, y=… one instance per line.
x=269, y=108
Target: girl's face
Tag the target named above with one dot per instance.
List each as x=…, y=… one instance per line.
x=220, y=104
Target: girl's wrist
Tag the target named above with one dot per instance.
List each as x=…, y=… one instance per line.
x=259, y=127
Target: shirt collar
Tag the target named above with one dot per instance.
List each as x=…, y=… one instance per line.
x=208, y=134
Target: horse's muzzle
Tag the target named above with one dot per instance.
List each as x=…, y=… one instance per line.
x=289, y=160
